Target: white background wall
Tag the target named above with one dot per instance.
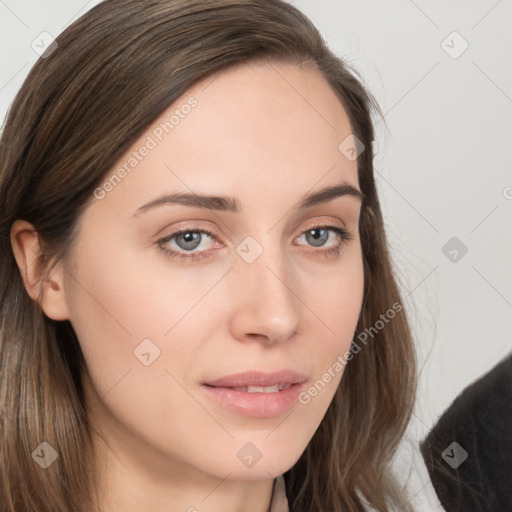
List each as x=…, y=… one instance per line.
x=443, y=166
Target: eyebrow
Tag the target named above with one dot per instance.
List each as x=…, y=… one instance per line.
x=231, y=204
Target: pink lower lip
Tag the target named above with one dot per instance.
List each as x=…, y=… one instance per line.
x=255, y=405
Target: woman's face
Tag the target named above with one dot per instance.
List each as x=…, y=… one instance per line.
x=273, y=288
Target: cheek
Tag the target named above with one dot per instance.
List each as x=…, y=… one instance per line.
x=125, y=305
x=121, y=310
x=109, y=304
x=336, y=305
x=336, y=299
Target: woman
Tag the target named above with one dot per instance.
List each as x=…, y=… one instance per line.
x=199, y=310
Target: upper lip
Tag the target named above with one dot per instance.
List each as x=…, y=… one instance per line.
x=257, y=378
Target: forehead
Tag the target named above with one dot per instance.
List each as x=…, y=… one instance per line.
x=255, y=130
x=281, y=108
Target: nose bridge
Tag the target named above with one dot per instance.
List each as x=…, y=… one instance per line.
x=266, y=300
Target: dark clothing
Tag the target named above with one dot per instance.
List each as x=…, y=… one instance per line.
x=468, y=453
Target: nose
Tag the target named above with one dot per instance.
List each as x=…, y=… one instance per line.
x=265, y=304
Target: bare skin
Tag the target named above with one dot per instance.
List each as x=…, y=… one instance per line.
x=267, y=136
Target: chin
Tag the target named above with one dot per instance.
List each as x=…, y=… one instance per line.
x=259, y=471
x=261, y=459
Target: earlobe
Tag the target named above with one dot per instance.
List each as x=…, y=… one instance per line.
x=45, y=288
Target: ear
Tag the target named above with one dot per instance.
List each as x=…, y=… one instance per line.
x=29, y=257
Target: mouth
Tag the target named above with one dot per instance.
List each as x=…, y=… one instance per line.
x=261, y=389
x=256, y=394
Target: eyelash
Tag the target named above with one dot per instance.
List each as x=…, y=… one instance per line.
x=343, y=234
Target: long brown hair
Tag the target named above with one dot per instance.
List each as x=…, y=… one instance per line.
x=82, y=105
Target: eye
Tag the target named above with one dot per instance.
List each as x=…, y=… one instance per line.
x=318, y=235
x=188, y=239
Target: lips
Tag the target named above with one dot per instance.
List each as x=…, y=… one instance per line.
x=256, y=394
x=258, y=379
